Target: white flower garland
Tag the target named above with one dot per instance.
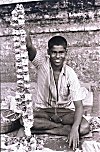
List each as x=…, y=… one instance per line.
x=23, y=95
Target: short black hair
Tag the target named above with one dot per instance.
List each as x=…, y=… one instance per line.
x=57, y=40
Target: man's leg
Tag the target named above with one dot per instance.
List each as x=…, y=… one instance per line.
x=46, y=122
x=60, y=131
x=42, y=121
x=84, y=127
x=66, y=117
x=43, y=124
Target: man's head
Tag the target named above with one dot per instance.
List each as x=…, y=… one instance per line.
x=57, y=50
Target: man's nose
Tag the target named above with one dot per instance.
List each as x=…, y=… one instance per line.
x=57, y=54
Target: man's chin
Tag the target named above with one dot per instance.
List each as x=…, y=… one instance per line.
x=58, y=65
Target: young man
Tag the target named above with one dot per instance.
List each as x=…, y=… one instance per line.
x=58, y=91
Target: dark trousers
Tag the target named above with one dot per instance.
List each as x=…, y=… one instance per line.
x=58, y=122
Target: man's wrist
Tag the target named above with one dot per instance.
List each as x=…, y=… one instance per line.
x=75, y=126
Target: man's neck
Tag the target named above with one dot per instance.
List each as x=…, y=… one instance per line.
x=57, y=69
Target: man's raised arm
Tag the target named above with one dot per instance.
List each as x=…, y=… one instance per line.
x=30, y=48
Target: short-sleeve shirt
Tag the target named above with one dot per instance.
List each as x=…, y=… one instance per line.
x=69, y=88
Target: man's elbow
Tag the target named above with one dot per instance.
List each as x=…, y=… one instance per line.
x=79, y=105
x=31, y=53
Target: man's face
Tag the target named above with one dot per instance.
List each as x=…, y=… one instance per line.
x=57, y=56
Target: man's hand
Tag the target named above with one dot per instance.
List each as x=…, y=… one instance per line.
x=74, y=138
x=74, y=134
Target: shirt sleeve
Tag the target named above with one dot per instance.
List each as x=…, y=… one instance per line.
x=39, y=59
x=76, y=91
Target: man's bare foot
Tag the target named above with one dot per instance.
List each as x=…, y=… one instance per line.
x=21, y=132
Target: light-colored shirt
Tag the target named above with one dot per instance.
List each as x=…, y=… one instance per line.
x=69, y=88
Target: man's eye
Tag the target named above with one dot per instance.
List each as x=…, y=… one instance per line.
x=54, y=52
x=61, y=52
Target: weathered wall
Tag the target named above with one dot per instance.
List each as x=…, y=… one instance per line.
x=83, y=54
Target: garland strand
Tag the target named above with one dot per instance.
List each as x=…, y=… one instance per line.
x=23, y=95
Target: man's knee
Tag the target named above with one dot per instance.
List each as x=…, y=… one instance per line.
x=41, y=114
x=84, y=127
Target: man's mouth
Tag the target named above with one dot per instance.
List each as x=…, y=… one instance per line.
x=57, y=61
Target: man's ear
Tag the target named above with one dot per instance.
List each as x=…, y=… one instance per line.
x=48, y=51
x=66, y=51
x=66, y=54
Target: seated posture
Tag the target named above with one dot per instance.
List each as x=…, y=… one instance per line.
x=58, y=92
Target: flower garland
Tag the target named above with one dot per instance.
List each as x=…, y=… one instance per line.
x=23, y=96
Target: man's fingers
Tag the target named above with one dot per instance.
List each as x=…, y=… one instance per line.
x=76, y=143
x=70, y=141
x=73, y=145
